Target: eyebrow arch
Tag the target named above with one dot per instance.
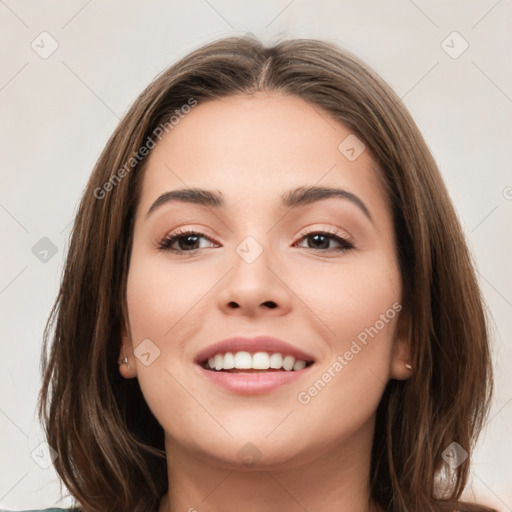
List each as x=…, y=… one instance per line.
x=292, y=199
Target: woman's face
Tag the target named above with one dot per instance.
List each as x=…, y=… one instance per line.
x=317, y=271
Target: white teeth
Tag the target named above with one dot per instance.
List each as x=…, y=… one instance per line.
x=219, y=362
x=229, y=361
x=243, y=360
x=259, y=361
x=288, y=363
x=276, y=361
x=299, y=364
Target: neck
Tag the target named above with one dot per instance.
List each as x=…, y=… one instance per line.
x=337, y=480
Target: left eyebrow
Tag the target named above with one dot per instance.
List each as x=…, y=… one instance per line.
x=307, y=195
x=292, y=199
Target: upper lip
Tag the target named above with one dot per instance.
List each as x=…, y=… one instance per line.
x=252, y=345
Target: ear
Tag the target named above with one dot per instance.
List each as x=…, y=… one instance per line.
x=401, y=357
x=127, y=369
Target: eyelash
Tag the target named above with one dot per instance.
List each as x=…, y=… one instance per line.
x=346, y=244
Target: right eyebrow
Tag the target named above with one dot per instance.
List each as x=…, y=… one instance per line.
x=189, y=195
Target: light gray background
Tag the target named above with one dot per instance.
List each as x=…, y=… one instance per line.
x=58, y=112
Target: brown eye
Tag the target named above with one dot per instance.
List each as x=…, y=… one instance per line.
x=186, y=241
x=320, y=241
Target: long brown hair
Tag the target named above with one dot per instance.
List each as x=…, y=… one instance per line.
x=110, y=447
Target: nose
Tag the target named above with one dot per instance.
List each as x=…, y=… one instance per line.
x=255, y=287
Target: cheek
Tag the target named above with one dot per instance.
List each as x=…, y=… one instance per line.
x=348, y=298
x=158, y=296
x=166, y=304
x=158, y=301
x=359, y=306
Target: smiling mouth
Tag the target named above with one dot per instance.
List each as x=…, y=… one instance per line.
x=259, y=362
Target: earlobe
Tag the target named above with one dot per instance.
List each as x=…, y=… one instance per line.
x=401, y=367
x=126, y=362
x=126, y=370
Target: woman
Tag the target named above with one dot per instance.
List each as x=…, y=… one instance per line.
x=268, y=302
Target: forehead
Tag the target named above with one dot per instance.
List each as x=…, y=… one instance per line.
x=253, y=148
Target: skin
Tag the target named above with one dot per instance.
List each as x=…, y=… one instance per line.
x=313, y=456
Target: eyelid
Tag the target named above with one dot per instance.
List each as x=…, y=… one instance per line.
x=331, y=230
x=180, y=232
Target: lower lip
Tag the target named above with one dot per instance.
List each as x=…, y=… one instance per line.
x=252, y=383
